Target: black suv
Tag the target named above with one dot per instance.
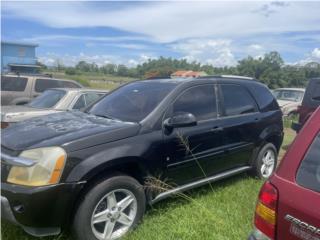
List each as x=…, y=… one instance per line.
x=99, y=168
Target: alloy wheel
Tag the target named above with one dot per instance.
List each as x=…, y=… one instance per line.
x=268, y=163
x=114, y=215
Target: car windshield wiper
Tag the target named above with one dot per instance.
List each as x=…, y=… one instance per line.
x=105, y=116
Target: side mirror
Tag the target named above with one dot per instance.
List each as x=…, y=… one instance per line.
x=180, y=120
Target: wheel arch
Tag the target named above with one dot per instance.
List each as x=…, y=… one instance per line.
x=128, y=166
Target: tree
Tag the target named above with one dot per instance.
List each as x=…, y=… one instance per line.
x=122, y=70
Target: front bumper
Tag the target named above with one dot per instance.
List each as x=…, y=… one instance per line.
x=40, y=211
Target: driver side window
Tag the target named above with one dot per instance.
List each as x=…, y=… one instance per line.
x=199, y=100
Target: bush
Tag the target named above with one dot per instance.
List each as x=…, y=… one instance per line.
x=71, y=71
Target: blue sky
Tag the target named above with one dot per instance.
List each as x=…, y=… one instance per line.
x=217, y=33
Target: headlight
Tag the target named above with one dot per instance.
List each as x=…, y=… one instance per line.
x=47, y=170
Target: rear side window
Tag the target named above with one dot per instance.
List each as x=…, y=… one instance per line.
x=312, y=95
x=316, y=92
x=236, y=100
x=67, y=84
x=199, y=100
x=44, y=84
x=15, y=84
x=308, y=174
x=264, y=97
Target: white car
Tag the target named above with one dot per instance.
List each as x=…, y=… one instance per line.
x=50, y=101
x=289, y=99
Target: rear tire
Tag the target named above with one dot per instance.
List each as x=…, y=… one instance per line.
x=265, y=162
x=110, y=209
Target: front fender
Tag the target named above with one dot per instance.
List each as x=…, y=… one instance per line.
x=101, y=160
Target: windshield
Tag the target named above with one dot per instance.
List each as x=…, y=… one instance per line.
x=133, y=102
x=48, y=99
x=288, y=95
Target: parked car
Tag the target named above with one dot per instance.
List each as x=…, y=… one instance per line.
x=50, y=101
x=289, y=99
x=21, y=89
x=95, y=169
x=288, y=204
x=309, y=104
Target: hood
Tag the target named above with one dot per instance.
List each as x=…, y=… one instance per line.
x=71, y=130
x=17, y=113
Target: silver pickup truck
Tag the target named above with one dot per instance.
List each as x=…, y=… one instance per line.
x=51, y=101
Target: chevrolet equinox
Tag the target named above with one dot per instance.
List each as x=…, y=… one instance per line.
x=93, y=169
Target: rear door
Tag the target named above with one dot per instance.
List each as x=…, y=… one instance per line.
x=240, y=121
x=299, y=216
x=194, y=152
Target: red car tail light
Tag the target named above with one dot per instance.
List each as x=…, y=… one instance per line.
x=266, y=210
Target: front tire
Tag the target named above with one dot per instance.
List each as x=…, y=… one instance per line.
x=110, y=209
x=266, y=161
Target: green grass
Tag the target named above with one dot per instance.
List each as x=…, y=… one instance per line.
x=224, y=213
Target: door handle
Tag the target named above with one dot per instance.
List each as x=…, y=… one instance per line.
x=216, y=129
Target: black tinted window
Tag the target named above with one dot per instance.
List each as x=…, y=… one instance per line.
x=44, y=84
x=236, y=100
x=13, y=84
x=80, y=103
x=316, y=92
x=134, y=101
x=309, y=171
x=200, y=101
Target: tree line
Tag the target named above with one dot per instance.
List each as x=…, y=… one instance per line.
x=269, y=69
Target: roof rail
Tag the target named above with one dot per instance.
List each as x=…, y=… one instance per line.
x=29, y=74
x=228, y=76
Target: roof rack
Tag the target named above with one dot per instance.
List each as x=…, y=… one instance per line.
x=228, y=76
x=29, y=74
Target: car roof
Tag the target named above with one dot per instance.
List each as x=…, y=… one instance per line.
x=293, y=89
x=216, y=78
x=80, y=90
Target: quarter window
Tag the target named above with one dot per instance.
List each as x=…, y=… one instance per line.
x=15, y=84
x=80, y=103
x=308, y=174
x=236, y=100
x=200, y=101
x=86, y=99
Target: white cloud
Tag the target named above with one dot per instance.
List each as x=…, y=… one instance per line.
x=316, y=53
x=171, y=21
x=207, y=51
x=313, y=56
x=52, y=59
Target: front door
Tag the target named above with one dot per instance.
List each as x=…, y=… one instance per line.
x=194, y=152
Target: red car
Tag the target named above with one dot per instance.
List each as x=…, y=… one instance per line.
x=288, y=207
x=310, y=102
